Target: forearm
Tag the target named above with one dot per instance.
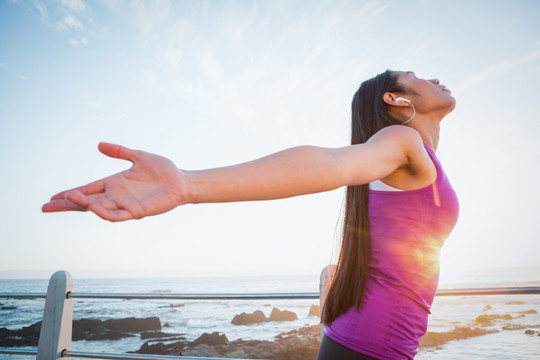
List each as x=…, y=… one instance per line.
x=296, y=171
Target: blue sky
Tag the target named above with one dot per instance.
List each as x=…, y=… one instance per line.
x=212, y=83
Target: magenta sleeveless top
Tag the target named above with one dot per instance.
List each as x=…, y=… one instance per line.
x=408, y=229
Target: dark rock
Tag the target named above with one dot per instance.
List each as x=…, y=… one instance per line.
x=172, y=306
x=315, y=310
x=213, y=339
x=83, y=329
x=114, y=329
x=134, y=324
x=8, y=308
x=302, y=344
x=278, y=315
x=307, y=331
x=93, y=329
x=27, y=336
x=246, y=319
x=156, y=335
x=32, y=330
x=202, y=350
x=146, y=348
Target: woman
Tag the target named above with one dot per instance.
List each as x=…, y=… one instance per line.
x=399, y=209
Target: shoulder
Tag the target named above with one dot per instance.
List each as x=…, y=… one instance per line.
x=403, y=138
x=417, y=165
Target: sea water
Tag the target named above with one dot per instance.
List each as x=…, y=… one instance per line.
x=451, y=316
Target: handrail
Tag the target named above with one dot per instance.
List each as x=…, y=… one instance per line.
x=94, y=355
x=23, y=295
x=12, y=351
x=112, y=356
x=197, y=296
x=508, y=290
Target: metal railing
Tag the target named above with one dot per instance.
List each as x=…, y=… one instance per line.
x=173, y=296
x=506, y=290
x=55, y=335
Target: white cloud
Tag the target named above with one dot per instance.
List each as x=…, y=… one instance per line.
x=69, y=21
x=494, y=71
x=42, y=9
x=149, y=15
x=80, y=42
x=74, y=5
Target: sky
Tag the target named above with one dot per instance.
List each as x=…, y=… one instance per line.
x=214, y=83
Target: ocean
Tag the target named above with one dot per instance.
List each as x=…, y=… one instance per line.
x=511, y=323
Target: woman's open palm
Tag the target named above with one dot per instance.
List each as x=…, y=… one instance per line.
x=153, y=185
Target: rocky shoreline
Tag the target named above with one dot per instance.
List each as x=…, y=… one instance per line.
x=300, y=344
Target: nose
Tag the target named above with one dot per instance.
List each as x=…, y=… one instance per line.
x=435, y=81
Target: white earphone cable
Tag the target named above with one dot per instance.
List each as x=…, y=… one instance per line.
x=414, y=113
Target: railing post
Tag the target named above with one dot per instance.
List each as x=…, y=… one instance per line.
x=327, y=275
x=325, y=280
x=55, y=333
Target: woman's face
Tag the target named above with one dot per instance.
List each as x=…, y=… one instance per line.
x=426, y=95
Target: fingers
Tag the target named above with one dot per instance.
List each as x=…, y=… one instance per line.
x=113, y=215
x=62, y=205
x=78, y=198
x=71, y=200
x=93, y=188
x=119, y=152
x=106, y=210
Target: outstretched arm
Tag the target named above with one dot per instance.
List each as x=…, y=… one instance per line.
x=305, y=169
x=153, y=185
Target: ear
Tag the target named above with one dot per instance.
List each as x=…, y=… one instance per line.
x=390, y=99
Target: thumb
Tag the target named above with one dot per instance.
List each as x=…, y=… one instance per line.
x=118, y=152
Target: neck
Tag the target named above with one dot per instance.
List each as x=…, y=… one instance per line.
x=428, y=130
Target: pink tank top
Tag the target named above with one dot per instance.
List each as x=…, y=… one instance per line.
x=408, y=229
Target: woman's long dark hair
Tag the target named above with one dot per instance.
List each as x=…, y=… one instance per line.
x=369, y=115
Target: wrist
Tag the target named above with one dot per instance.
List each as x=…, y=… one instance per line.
x=187, y=186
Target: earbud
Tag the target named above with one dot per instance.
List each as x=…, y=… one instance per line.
x=400, y=98
x=410, y=103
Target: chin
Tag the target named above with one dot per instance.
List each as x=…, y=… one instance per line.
x=451, y=106
x=451, y=103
